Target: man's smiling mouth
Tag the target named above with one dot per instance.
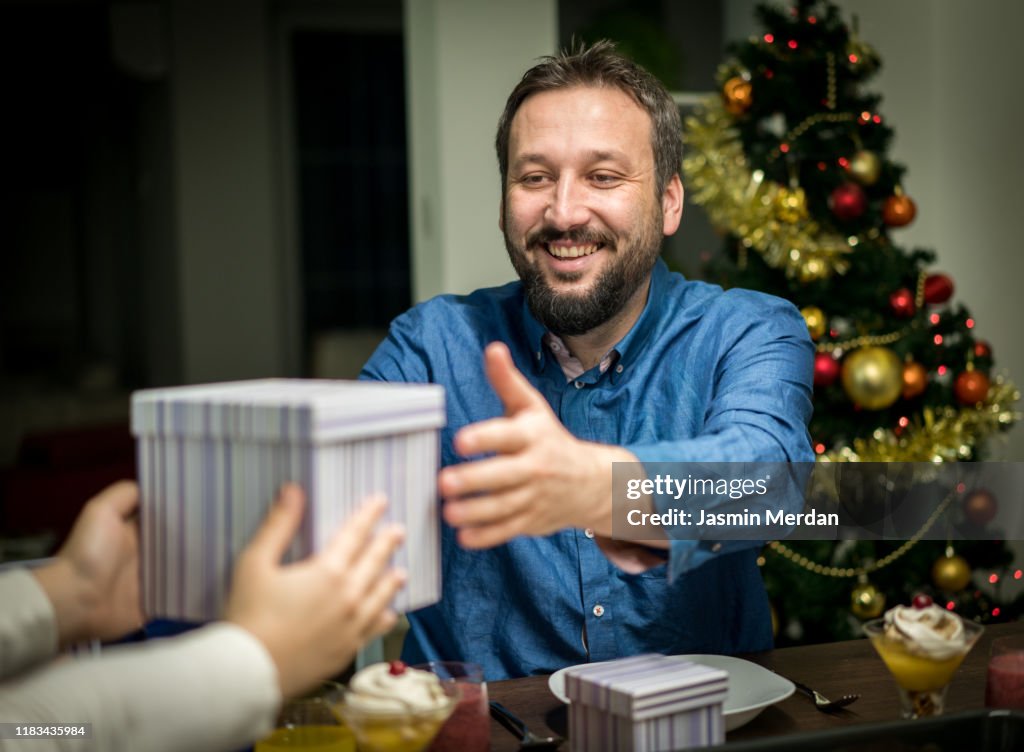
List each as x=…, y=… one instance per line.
x=572, y=251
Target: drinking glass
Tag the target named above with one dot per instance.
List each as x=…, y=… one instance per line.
x=1004, y=683
x=469, y=727
x=922, y=680
x=309, y=723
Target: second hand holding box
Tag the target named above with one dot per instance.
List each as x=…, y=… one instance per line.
x=212, y=457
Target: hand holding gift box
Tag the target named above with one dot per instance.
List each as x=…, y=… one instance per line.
x=210, y=455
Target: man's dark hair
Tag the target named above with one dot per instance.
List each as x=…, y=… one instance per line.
x=596, y=66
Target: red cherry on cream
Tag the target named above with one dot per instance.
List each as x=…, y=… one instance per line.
x=922, y=601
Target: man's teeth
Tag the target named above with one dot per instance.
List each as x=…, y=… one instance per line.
x=572, y=251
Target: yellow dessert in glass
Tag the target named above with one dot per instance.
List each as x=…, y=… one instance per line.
x=922, y=646
x=393, y=708
x=309, y=739
x=309, y=723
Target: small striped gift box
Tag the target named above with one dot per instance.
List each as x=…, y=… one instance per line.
x=212, y=457
x=647, y=703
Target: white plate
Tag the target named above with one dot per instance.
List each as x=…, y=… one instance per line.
x=752, y=688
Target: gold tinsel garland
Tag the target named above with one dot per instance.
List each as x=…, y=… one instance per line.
x=741, y=200
x=946, y=434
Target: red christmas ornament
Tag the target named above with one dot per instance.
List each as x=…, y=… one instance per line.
x=980, y=507
x=938, y=288
x=982, y=349
x=971, y=387
x=898, y=210
x=826, y=369
x=848, y=201
x=902, y=303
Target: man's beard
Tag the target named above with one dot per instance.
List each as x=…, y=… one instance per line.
x=570, y=314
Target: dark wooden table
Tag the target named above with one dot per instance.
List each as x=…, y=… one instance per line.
x=833, y=669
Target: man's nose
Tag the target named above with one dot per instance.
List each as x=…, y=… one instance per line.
x=568, y=206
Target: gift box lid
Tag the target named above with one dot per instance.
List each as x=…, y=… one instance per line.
x=646, y=686
x=315, y=410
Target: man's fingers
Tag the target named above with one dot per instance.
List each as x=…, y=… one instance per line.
x=489, y=536
x=484, y=510
x=279, y=528
x=122, y=496
x=487, y=475
x=509, y=384
x=353, y=536
x=499, y=435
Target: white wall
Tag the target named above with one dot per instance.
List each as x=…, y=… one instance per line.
x=952, y=93
x=463, y=57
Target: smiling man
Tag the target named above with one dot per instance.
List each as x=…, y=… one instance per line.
x=599, y=354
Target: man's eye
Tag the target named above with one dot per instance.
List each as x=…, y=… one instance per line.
x=604, y=179
x=533, y=179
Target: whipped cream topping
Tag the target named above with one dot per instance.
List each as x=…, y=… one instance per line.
x=931, y=631
x=376, y=689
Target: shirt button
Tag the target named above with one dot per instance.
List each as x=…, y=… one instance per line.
x=599, y=610
x=539, y=355
x=579, y=384
x=619, y=368
x=716, y=548
x=589, y=532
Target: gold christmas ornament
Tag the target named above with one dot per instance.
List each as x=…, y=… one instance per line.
x=791, y=205
x=867, y=601
x=737, y=94
x=814, y=317
x=873, y=377
x=951, y=572
x=865, y=167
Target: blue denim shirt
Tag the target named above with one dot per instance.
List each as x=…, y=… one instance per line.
x=703, y=375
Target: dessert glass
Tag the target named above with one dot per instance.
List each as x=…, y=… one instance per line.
x=1004, y=682
x=408, y=730
x=469, y=728
x=309, y=723
x=922, y=680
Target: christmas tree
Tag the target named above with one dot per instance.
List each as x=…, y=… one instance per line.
x=791, y=163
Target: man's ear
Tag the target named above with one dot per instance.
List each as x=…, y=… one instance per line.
x=501, y=213
x=672, y=205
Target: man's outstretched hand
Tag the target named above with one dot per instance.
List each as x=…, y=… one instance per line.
x=540, y=478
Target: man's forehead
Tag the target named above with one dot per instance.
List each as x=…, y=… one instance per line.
x=606, y=122
x=610, y=99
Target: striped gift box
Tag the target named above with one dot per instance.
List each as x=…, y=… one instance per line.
x=212, y=457
x=647, y=703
